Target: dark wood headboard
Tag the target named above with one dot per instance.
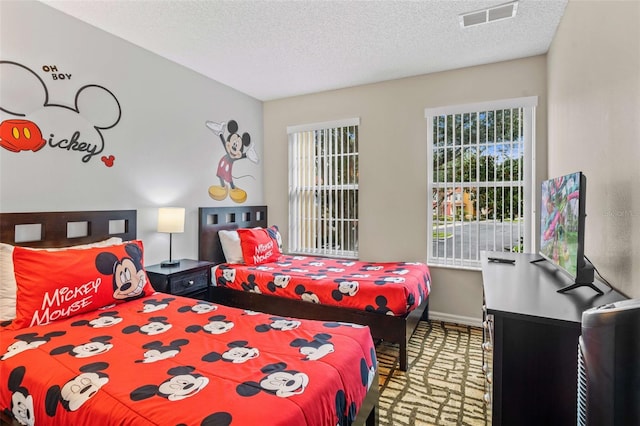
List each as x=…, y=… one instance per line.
x=53, y=227
x=214, y=219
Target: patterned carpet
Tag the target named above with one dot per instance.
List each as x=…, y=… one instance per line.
x=444, y=384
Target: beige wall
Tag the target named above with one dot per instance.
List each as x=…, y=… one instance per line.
x=594, y=126
x=393, y=159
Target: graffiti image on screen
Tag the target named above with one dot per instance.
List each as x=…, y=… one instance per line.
x=559, y=221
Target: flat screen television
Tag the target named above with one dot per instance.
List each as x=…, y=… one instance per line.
x=562, y=228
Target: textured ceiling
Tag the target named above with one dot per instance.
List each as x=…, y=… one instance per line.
x=276, y=49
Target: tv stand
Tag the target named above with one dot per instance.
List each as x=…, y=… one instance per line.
x=531, y=340
x=576, y=285
x=584, y=279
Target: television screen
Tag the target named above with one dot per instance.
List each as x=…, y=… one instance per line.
x=562, y=222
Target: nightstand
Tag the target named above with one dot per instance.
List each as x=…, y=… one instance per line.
x=191, y=278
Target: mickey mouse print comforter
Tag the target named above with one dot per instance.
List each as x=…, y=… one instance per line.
x=390, y=288
x=168, y=360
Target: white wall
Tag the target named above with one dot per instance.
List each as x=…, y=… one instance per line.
x=164, y=153
x=393, y=195
x=594, y=126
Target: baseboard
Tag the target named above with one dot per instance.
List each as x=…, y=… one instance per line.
x=456, y=319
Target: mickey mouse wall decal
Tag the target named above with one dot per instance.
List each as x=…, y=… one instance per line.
x=108, y=161
x=21, y=135
x=74, y=129
x=236, y=148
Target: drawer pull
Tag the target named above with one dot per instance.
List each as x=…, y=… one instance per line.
x=190, y=283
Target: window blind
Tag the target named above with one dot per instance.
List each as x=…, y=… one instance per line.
x=323, y=188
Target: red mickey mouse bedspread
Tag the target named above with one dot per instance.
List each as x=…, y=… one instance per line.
x=168, y=360
x=391, y=288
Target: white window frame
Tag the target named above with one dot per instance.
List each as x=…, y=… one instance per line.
x=528, y=104
x=311, y=232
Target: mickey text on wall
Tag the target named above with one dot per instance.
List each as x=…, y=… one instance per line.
x=30, y=121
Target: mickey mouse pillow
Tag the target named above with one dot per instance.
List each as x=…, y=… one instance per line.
x=60, y=284
x=258, y=246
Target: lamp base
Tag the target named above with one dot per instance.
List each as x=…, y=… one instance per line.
x=169, y=263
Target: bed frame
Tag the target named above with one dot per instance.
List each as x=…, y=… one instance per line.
x=54, y=227
x=54, y=232
x=213, y=219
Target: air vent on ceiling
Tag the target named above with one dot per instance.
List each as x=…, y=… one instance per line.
x=490, y=14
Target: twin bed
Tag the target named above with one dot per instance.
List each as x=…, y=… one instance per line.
x=85, y=340
x=390, y=298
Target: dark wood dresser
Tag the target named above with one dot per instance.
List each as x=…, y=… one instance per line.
x=531, y=340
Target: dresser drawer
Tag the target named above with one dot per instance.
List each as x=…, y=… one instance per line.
x=188, y=283
x=190, y=278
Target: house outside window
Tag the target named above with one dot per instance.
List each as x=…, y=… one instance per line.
x=323, y=188
x=480, y=177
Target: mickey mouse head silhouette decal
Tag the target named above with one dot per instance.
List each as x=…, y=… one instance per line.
x=76, y=128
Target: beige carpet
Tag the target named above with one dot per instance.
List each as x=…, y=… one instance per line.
x=444, y=384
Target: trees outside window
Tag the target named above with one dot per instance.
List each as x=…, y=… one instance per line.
x=480, y=180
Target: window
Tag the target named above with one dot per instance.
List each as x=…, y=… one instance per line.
x=323, y=188
x=480, y=179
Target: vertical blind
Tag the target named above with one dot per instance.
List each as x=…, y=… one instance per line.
x=323, y=188
x=480, y=180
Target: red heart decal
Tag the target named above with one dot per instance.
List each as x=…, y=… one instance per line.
x=108, y=161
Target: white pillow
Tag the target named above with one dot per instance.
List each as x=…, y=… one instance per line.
x=230, y=241
x=8, y=284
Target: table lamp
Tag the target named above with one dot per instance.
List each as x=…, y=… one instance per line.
x=170, y=220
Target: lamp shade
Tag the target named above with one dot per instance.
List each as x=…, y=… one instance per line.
x=171, y=219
